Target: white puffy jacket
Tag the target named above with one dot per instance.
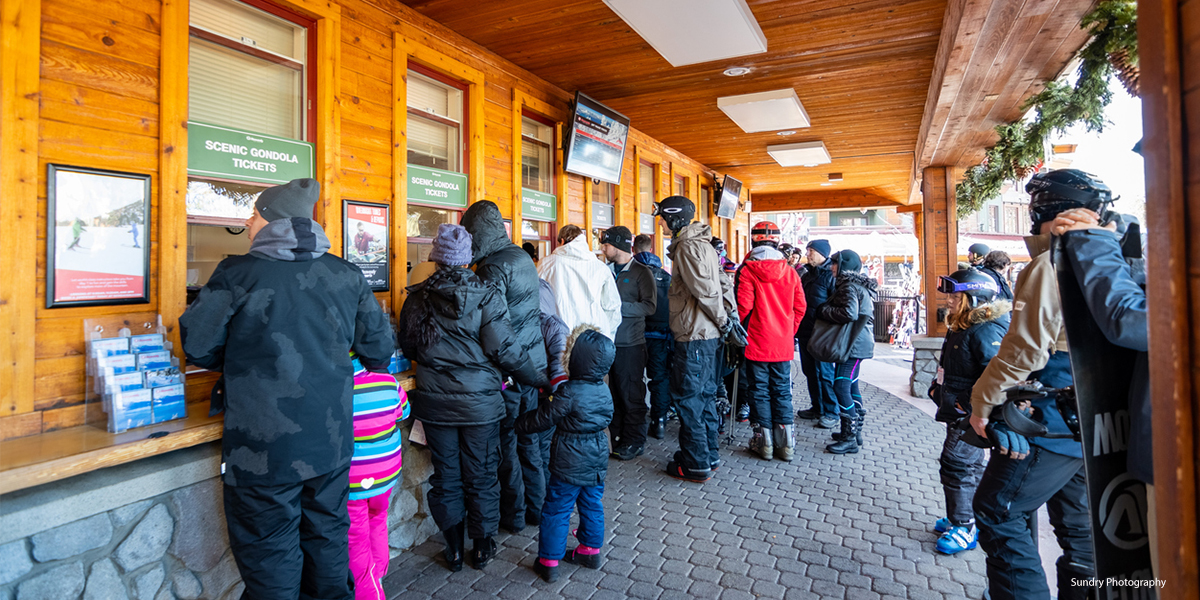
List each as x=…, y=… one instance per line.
x=585, y=290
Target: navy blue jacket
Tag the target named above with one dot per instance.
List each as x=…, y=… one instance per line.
x=658, y=325
x=818, y=283
x=1118, y=304
x=1005, y=290
x=580, y=411
x=965, y=354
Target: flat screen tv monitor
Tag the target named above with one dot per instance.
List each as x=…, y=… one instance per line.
x=596, y=142
x=731, y=192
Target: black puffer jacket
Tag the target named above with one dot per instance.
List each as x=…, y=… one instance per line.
x=854, y=297
x=659, y=322
x=455, y=327
x=554, y=331
x=581, y=410
x=818, y=283
x=965, y=354
x=505, y=265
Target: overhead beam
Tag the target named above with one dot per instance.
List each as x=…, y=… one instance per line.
x=822, y=200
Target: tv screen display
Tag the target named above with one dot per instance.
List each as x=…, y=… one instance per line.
x=596, y=143
x=731, y=191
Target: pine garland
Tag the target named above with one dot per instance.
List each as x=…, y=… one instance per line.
x=1021, y=148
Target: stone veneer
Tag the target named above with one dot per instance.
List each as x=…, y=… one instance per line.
x=927, y=352
x=96, y=537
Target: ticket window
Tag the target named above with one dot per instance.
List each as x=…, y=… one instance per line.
x=436, y=106
x=646, y=197
x=602, y=193
x=247, y=71
x=537, y=174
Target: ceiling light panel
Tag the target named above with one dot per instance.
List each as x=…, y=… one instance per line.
x=688, y=32
x=802, y=154
x=765, y=111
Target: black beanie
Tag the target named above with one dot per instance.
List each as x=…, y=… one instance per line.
x=848, y=262
x=295, y=198
x=618, y=237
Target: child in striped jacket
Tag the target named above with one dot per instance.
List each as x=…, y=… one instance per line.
x=379, y=403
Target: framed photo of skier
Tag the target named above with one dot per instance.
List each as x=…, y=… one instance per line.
x=365, y=237
x=97, y=238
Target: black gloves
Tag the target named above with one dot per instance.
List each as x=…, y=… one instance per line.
x=733, y=333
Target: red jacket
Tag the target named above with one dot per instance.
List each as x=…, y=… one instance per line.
x=771, y=304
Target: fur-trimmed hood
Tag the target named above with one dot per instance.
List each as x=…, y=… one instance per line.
x=589, y=354
x=988, y=312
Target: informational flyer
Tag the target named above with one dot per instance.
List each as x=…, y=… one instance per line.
x=366, y=240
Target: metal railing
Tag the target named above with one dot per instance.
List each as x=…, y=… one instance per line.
x=885, y=311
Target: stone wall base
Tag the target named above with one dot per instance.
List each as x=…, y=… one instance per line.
x=927, y=353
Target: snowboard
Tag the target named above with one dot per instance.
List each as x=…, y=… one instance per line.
x=1117, y=502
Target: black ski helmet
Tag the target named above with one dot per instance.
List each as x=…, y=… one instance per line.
x=978, y=286
x=677, y=211
x=788, y=250
x=1062, y=190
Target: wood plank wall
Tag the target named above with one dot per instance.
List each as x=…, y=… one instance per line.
x=110, y=95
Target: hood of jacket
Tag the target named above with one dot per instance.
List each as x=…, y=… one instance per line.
x=648, y=258
x=589, y=354
x=858, y=279
x=447, y=291
x=989, y=312
x=764, y=252
x=293, y=240
x=546, y=298
x=577, y=249
x=767, y=271
x=486, y=226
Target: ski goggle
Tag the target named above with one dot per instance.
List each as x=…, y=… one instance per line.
x=946, y=285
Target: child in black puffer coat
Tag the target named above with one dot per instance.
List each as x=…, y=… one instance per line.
x=580, y=411
x=977, y=321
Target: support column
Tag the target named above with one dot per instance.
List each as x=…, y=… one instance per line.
x=938, y=239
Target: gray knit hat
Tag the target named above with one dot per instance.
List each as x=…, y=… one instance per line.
x=295, y=198
x=452, y=246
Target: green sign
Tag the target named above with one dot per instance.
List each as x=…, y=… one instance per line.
x=228, y=153
x=437, y=187
x=538, y=206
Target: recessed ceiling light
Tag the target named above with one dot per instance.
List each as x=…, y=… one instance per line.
x=688, y=32
x=809, y=166
x=765, y=111
x=735, y=71
x=826, y=184
x=788, y=132
x=804, y=153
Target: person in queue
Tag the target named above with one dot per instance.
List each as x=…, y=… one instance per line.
x=583, y=285
x=976, y=253
x=995, y=265
x=581, y=410
x=976, y=321
x=1024, y=474
x=772, y=302
x=724, y=371
x=659, y=341
x=279, y=323
x=853, y=299
x=818, y=282
x=455, y=327
x=508, y=268
x=639, y=299
x=699, y=321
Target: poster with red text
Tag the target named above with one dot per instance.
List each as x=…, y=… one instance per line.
x=366, y=241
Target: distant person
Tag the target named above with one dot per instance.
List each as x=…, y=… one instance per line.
x=976, y=253
x=853, y=299
x=456, y=328
x=583, y=285
x=531, y=250
x=659, y=341
x=77, y=230
x=995, y=265
x=133, y=229
x=279, y=323
x=819, y=283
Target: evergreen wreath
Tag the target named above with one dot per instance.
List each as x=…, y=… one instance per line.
x=1112, y=50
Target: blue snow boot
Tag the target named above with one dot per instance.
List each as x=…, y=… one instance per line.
x=942, y=524
x=957, y=539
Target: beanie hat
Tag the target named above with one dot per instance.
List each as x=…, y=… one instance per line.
x=295, y=198
x=848, y=262
x=618, y=237
x=821, y=246
x=452, y=246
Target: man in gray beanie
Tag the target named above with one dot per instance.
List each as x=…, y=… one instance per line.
x=280, y=323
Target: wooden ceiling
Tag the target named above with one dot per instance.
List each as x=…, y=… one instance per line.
x=862, y=68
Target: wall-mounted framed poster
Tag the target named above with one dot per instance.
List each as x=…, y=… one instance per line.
x=97, y=237
x=366, y=241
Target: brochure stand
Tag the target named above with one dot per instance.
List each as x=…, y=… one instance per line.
x=133, y=379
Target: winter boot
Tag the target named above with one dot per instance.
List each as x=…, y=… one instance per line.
x=760, y=442
x=743, y=413
x=546, y=569
x=454, y=546
x=483, y=552
x=785, y=443
x=809, y=414
x=826, y=422
x=657, y=426
x=848, y=444
x=958, y=539
x=859, y=419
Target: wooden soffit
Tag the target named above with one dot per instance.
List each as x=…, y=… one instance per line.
x=823, y=200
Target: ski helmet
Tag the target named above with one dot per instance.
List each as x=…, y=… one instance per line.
x=718, y=244
x=677, y=211
x=978, y=286
x=788, y=250
x=764, y=231
x=1062, y=190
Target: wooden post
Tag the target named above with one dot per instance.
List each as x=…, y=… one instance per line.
x=938, y=239
x=1170, y=67
x=20, y=49
x=172, y=167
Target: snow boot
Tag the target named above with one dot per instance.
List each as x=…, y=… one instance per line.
x=859, y=418
x=760, y=442
x=810, y=414
x=958, y=538
x=785, y=443
x=483, y=552
x=656, y=428
x=454, y=546
x=848, y=443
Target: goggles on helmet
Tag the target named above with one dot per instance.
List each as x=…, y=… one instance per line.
x=947, y=285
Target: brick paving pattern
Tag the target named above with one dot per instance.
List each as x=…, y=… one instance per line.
x=823, y=526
